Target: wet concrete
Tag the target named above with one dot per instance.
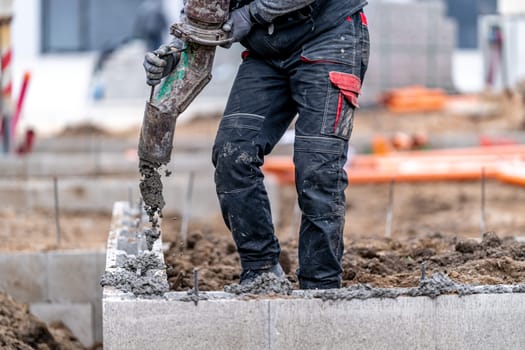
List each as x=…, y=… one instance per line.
x=140, y=275
x=151, y=235
x=151, y=191
x=267, y=283
x=434, y=286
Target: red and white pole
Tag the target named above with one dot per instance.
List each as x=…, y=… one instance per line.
x=6, y=85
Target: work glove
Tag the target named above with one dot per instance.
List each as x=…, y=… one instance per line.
x=161, y=62
x=239, y=24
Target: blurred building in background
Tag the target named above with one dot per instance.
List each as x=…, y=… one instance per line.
x=87, y=66
x=411, y=43
x=435, y=43
x=85, y=25
x=466, y=14
x=502, y=43
x=444, y=44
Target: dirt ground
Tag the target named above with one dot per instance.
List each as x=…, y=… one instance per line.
x=21, y=230
x=430, y=224
x=380, y=262
x=21, y=330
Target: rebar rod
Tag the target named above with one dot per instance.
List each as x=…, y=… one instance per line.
x=57, y=212
x=389, y=210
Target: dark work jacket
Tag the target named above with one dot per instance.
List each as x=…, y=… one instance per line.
x=289, y=33
x=354, y=5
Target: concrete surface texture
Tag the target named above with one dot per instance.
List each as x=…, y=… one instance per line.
x=486, y=321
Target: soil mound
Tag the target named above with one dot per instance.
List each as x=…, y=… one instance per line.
x=381, y=263
x=21, y=330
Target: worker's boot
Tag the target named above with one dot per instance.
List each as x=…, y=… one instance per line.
x=248, y=276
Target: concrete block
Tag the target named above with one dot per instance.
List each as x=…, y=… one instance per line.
x=73, y=276
x=97, y=304
x=78, y=194
x=485, y=321
x=85, y=144
x=97, y=321
x=165, y=324
x=77, y=317
x=24, y=276
x=449, y=322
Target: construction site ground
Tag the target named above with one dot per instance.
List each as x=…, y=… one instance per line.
x=23, y=331
x=433, y=223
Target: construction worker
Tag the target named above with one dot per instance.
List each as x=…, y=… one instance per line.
x=305, y=58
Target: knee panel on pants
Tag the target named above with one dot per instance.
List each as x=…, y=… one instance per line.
x=320, y=176
x=236, y=153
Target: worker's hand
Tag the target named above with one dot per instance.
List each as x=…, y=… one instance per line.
x=239, y=24
x=162, y=61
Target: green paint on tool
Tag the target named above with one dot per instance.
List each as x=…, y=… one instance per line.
x=179, y=74
x=184, y=63
x=166, y=87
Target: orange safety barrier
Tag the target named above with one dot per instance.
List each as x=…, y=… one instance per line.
x=415, y=99
x=505, y=163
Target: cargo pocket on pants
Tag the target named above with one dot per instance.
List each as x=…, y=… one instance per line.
x=341, y=104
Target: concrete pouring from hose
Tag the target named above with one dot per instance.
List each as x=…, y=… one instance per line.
x=202, y=32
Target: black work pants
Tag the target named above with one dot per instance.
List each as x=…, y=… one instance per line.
x=320, y=81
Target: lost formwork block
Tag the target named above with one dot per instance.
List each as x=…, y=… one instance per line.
x=24, y=276
x=97, y=306
x=488, y=321
x=169, y=324
x=73, y=276
x=77, y=317
x=69, y=278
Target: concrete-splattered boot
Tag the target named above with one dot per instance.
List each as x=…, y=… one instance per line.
x=248, y=276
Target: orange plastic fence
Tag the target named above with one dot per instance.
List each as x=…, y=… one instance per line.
x=415, y=99
x=505, y=163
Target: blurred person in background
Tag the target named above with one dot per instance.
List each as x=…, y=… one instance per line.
x=151, y=23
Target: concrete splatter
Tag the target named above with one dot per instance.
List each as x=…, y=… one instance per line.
x=266, y=283
x=151, y=234
x=148, y=285
x=141, y=275
x=143, y=262
x=434, y=286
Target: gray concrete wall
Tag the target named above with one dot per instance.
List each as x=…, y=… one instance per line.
x=98, y=194
x=478, y=322
x=58, y=286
